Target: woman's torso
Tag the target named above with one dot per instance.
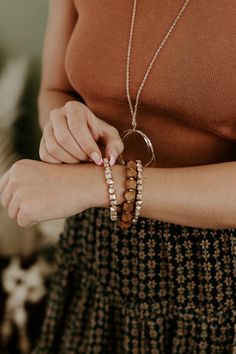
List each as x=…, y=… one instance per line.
x=187, y=106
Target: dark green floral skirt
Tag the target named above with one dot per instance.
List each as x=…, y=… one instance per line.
x=157, y=288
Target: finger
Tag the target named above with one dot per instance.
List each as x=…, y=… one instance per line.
x=65, y=139
x=54, y=149
x=6, y=196
x=44, y=155
x=80, y=131
x=113, y=150
x=13, y=209
x=22, y=219
x=25, y=218
x=4, y=180
x=113, y=142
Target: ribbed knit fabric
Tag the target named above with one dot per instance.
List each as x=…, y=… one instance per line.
x=188, y=105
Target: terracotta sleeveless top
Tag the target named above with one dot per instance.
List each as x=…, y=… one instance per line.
x=188, y=104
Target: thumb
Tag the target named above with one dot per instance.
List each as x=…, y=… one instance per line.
x=113, y=142
x=114, y=148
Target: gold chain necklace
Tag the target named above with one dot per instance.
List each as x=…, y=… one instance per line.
x=127, y=133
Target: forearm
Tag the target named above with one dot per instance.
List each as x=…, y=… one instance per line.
x=198, y=196
x=49, y=100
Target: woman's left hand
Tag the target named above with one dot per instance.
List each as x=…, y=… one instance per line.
x=34, y=191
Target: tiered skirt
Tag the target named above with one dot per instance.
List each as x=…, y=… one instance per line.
x=157, y=288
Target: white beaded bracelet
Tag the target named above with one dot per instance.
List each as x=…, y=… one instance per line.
x=138, y=203
x=111, y=190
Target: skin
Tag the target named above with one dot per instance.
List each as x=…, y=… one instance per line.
x=72, y=133
x=34, y=191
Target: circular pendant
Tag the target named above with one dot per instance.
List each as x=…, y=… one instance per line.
x=127, y=134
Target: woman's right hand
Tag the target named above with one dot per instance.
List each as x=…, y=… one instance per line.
x=72, y=133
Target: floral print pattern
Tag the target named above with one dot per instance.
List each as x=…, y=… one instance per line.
x=157, y=288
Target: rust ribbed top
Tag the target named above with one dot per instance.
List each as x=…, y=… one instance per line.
x=188, y=104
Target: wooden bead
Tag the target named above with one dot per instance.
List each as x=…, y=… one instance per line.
x=126, y=217
x=131, y=184
x=131, y=172
x=131, y=164
x=128, y=207
x=130, y=196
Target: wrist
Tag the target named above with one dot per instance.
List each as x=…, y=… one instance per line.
x=100, y=196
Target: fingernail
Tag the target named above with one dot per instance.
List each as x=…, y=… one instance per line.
x=100, y=163
x=113, y=158
x=96, y=158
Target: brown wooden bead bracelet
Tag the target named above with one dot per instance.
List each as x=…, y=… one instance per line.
x=129, y=213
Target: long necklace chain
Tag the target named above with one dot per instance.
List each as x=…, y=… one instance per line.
x=134, y=109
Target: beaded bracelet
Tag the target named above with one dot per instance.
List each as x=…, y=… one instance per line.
x=138, y=201
x=111, y=190
x=128, y=205
x=133, y=195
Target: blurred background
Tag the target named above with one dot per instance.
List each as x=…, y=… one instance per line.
x=26, y=255
x=22, y=26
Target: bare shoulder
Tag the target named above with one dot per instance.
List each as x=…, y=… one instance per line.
x=62, y=18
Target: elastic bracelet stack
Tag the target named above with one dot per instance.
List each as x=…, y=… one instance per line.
x=128, y=212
